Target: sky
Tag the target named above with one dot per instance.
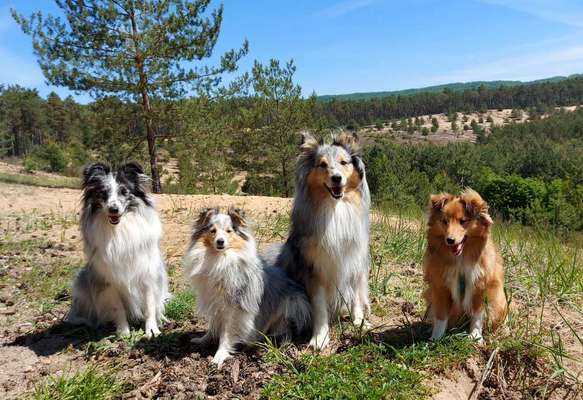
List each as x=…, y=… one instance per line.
x=347, y=46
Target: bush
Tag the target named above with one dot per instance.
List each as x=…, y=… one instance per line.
x=264, y=185
x=29, y=165
x=51, y=157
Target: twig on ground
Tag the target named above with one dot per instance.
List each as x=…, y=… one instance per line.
x=478, y=386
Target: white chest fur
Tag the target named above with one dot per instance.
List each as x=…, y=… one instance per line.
x=340, y=245
x=126, y=249
x=461, y=280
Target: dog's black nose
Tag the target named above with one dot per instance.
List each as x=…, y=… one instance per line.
x=220, y=242
x=336, y=179
x=450, y=241
x=113, y=209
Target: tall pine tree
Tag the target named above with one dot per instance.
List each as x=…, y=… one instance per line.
x=137, y=49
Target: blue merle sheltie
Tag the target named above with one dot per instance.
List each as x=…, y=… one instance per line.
x=125, y=277
x=242, y=299
x=327, y=250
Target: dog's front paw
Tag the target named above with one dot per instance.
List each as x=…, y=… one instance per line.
x=477, y=336
x=439, y=328
x=220, y=357
x=152, y=330
x=320, y=341
x=362, y=323
x=123, y=330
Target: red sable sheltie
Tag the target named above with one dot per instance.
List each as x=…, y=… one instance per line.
x=461, y=265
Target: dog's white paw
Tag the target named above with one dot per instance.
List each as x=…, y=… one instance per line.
x=123, y=330
x=361, y=322
x=320, y=341
x=477, y=336
x=220, y=357
x=152, y=330
x=439, y=329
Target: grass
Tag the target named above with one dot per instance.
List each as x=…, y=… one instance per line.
x=366, y=371
x=45, y=280
x=180, y=307
x=45, y=181
x=89, y=384
x=544, y=279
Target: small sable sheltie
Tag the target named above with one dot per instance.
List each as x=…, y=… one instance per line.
x=327, y=250
x=125, y=276
x=461, y=265
x=241, y=299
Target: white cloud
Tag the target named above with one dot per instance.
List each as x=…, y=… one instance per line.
x=568, y=12
x=531, y=66
x=345, y=7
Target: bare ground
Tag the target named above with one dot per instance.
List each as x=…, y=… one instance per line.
x=40, y=228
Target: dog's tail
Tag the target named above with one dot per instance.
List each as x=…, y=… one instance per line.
x=271, y=254
x=286, y=309
x=298, y=312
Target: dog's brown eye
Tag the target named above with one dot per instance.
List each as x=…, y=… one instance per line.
x=229, y=231
x=344, y=162
x=213, y=230
x=463, y=221
x=323, y=164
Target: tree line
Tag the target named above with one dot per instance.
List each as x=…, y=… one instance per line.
x=540, y=97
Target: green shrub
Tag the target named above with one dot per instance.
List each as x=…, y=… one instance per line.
x=52, y=157
x=29, y=165
x=264, y=185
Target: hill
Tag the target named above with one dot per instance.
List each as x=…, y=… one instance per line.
x=457, y=86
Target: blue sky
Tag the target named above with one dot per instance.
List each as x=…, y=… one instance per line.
x=345, y=46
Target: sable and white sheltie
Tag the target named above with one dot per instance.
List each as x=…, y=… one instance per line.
x=461, y=265
x=125, y=276
x=241, y=299
x=327, y=250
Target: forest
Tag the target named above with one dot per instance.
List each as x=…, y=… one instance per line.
x=539, y=96
x=530, y=172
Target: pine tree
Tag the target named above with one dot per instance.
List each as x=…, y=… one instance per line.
x=134, y=49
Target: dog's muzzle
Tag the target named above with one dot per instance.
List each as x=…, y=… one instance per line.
x=336, y=192
x=114, y=218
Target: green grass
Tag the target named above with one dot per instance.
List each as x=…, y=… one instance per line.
x=89, y=384
x=180, y=307
x=544, y=275
x=366, y=371
x=272, y=228
x=45, y=181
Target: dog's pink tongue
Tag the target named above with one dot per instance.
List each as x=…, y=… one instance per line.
x=457, y=249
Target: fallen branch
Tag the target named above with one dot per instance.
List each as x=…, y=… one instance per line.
x=478, y=386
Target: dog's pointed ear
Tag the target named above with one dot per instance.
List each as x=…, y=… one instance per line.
x=348, y=140
x=476, y=207
x=438, y=201
x=308, y=144
x=133, y=171
x=93, y=171
x=204, y=217
x=237, y=217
